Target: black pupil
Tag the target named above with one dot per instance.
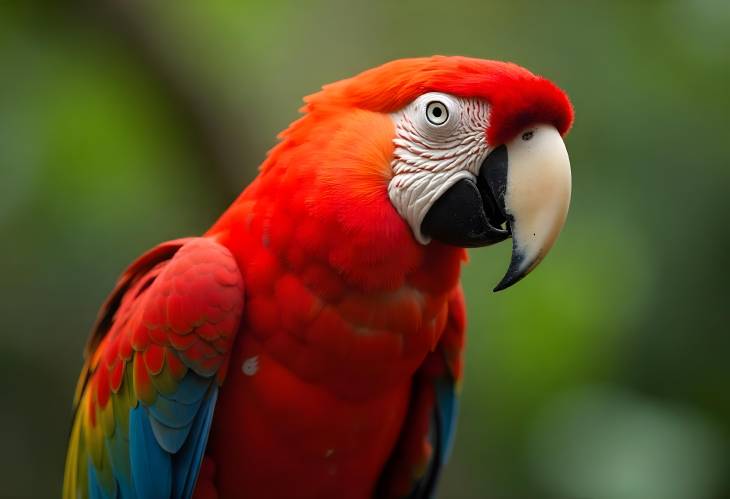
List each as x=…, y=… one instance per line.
x=437, y=112
x=527, y=135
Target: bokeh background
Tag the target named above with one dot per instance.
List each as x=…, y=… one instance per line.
x=604, y=375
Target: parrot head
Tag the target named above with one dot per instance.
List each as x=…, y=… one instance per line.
x=468, y=152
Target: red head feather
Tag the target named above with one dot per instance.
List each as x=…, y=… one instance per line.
x=332, y=166
x=517, y=97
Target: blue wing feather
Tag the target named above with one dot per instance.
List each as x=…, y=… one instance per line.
x=117, y=447
x=447, y=405
x=175, y=414
x=95, y=489
x=151, y=464
x=167, y=443
x=191, y=389
x=188, y=460
x=170, y=439
x=443, y=429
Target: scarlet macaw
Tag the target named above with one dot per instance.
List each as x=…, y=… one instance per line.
x=309, y=345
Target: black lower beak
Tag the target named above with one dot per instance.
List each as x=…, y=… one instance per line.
x=470, y=214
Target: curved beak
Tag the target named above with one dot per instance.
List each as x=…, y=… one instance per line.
x=535, y=196
x=525, y=183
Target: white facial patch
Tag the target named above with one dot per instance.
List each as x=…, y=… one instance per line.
x=439, y=140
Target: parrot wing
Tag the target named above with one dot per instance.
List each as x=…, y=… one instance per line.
x=428, y=430
x=154, y=362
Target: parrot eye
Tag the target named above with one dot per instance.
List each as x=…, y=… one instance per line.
x=437, y=113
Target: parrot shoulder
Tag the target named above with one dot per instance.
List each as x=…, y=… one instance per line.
x=153, y=365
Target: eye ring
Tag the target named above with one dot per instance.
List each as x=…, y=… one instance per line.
x=437, y=113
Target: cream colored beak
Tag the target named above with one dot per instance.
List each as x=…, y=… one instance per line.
x=536, y=197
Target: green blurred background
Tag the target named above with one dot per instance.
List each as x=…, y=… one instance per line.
x=602, y=376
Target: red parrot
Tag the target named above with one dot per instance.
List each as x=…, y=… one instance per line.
x=309, y=345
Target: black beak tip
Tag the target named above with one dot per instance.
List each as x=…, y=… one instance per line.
x=507, y=281
x=516, y=271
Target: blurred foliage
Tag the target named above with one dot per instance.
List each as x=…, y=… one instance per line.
x=602, y=376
